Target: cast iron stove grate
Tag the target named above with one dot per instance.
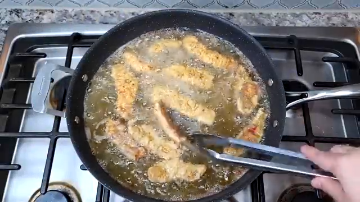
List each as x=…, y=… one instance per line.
x=18, y=77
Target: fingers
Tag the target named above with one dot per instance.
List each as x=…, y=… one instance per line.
x=325, y=160
x=342, y=149
x=331, y=187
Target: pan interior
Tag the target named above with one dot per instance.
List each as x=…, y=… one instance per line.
x=100, y=105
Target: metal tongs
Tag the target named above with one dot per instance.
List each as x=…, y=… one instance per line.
x=296, y=163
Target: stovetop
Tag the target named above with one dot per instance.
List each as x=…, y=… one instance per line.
x=36, y=149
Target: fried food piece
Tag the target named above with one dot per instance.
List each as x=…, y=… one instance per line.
x=117, y=134
x=136, y=64
x=249, y=97
x=164, y=120
x=171, y=129
x=195, y=47
x=255, y=130
x=163, y=44
x=126, y=86
x=175, y=169
x=183, y=104
x=241, y=77
x=250, y=89
x=194, y=76
x=251, y=133
x=147, y=137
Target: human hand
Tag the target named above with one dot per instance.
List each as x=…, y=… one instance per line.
x=344, y=162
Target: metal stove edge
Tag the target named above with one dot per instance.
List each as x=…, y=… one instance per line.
x=16, y=31
x=22, y=30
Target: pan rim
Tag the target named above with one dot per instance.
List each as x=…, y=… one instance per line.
x=121, y=190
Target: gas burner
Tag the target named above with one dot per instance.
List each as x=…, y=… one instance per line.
x=55, y=196
x=57, y=91
x=302, y=192
x=57, y=192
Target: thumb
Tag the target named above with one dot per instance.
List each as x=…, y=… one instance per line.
x=325, y=160
x=331, y=187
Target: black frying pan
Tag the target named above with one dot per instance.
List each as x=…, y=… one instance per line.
x=134, y=27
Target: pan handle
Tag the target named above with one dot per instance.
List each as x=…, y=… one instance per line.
x=349, y=91
x=41, y=88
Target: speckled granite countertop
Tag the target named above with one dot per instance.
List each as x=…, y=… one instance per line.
x=10, y=16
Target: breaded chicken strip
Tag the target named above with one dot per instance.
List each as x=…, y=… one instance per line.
x=164, y=120
x=163, y=44
x=194, y=76
x=249, y=97
x=195, y=47
x=241, y=77
x=186, y=106
x=147, y=137
x=117, y=134
x=171, y=129
x=251, y=133
x=126, y=86
x=175, y=169
x=136, y=64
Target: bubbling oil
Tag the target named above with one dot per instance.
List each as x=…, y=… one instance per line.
x=100, y=105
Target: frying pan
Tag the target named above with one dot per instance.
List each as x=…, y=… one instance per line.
x=129, y=30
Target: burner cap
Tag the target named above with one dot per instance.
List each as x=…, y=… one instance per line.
x=57, y=192
x=57, y=91
x=301, y=193
x=306, y=196
x=53, y=196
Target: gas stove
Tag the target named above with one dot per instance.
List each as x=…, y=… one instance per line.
x=37, y=155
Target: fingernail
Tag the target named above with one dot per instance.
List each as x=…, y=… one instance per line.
x=303, y=148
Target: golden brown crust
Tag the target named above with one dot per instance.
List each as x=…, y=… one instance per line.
x=158, y=174
x=166, y=124
x=164, y=44
x=250, y=89
x=146, y=136
x=214, y=58
x=137, y=65
x=249, y=97
x=117, y=134
x=194, y=76
x=126, y=86
x=175, y=169
x=183, y=104
x=251, y=133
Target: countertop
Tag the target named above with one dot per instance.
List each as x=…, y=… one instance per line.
x=274, y=18
x=204, y=4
